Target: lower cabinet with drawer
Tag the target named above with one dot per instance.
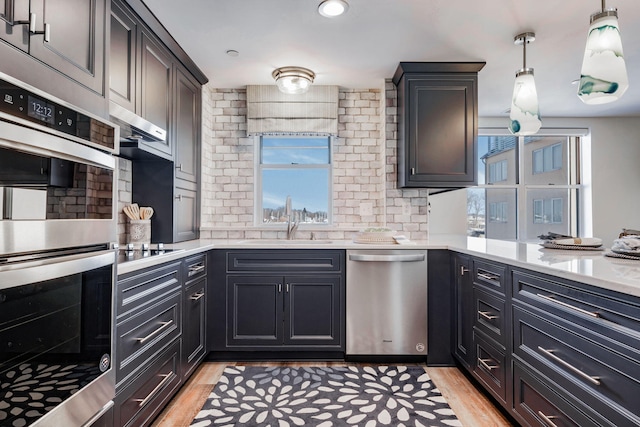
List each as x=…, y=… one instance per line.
x=277, y=301
x=160, y=338
x=551, y=351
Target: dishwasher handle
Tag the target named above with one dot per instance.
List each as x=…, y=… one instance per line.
x=387, y=258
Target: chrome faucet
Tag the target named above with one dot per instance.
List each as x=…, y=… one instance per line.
x=292, y=226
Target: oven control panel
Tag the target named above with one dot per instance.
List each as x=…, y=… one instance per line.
x=17, y=102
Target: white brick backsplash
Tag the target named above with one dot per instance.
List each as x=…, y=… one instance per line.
x=364, y=158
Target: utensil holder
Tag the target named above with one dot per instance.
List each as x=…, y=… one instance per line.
x=139, y=232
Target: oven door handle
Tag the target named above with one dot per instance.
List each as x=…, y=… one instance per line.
x=27, y=272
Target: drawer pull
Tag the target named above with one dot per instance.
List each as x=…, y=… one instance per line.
x=487, y=315
x=167, y=378
x=195, y=269
x=547, y=419
x=463, y=270
x=487, y=276
x=196, y=296
x=485, y=364
x=592, y=380
x=154, y=333
x=572, y=307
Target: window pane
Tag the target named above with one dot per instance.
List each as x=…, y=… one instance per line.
x=308, y=189
x=491, y=213
x=496, y=150
x=295, y=151
x=548, y=163
x=548, y=210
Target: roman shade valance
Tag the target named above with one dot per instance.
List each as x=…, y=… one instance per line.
x=270, y=111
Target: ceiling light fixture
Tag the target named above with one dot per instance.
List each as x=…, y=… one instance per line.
x=603, y=77
x=525, y=114
x=333, y=8
x=293, y=80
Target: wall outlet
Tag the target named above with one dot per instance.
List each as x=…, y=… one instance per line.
x=366, y=209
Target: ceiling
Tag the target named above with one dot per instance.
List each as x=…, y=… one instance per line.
x=363, y=47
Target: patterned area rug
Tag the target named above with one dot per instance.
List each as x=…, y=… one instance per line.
x=325, y=397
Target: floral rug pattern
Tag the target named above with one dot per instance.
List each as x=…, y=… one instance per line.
x=325, y=397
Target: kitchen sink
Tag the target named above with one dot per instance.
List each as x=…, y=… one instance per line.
x=284, y=242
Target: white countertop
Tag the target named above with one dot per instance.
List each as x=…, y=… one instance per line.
x=590, y=267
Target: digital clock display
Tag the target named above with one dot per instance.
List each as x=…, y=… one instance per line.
x=41, y=110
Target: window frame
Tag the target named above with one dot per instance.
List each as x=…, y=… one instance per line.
x=572, y=151
x=259, y=167
x=551, y=163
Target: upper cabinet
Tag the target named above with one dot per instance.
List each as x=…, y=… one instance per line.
x=122, y=61
x=55, y=45
x=437, y=124
x=187, y=126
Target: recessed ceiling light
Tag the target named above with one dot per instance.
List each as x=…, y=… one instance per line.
x=333, y=8
x=233, y=53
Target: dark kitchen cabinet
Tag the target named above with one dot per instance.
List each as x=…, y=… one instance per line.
x=277, y=300
x=156, y=86
x=283, y=310
x=185, y=226
x=463, y=292
x=194, y=313
x=123, y=60
x=11, y=32
x=76, y=46
x=64, y=55
x=437, y=124
x=187, y=126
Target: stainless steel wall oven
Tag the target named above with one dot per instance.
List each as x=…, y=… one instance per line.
x=57, y=271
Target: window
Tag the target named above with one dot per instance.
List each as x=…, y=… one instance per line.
x=547, y=211
x=497, y=171
x=298, y=167
x=547, y=159
x=528, y=186
x=498, y=212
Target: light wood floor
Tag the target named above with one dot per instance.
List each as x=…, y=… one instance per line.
x=472, y=407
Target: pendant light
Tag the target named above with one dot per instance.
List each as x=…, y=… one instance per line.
x=293, y=80
x=603, y=77
x=524, y=115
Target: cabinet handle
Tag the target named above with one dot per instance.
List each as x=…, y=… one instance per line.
x=487, y=276
x=592, y=380
x=167, y=378
x=279, y=287
x=179, y=167
x=179, y=197
x=572, y=307
x=413, y=171
x=485, y=364
x=195, y=269
x=463, y=270
x=287, y=290
x=154, y=333
x=487, y=315
x=196, y=296
x=547, y=419
x=32, y=27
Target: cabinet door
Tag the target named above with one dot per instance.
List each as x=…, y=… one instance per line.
x=122, y=60
x=463, y=310
x=254, y=310
x=16, y=35
x=185, y=215
x=440, y=129
x=193, y=331
x=187, y=127
x=76, y=46
x=313, y=310
x=155, y=86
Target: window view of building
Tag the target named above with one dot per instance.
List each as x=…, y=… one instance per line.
x=528, y=186
x=297, y=167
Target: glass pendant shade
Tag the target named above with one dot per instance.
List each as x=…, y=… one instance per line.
x=524, y=115
x=293, y=80
x=603, y=77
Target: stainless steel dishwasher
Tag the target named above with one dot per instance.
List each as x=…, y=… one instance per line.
x=387, y=302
